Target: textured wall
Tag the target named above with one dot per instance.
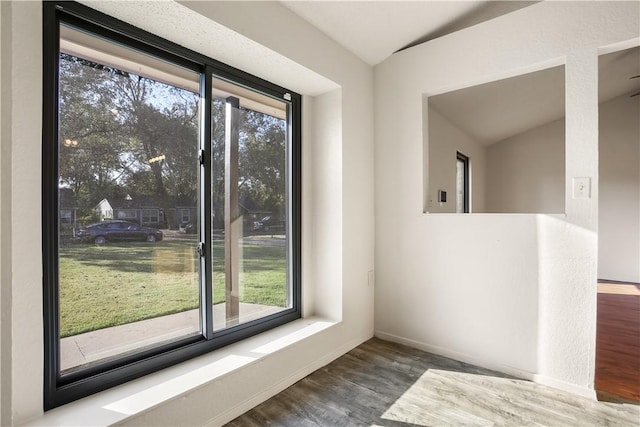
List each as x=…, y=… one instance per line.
x=266, y=39
x=513, y=292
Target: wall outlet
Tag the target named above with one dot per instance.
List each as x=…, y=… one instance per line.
x=371, y=279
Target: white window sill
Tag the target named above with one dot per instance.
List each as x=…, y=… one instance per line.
x=119, y=403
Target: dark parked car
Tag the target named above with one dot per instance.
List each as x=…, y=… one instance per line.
x=269, y=223
x=109, y=231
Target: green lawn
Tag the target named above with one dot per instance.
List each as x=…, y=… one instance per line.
x=103, y=286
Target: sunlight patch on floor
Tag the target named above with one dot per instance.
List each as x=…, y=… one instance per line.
x=619, y=289
x=422, y=403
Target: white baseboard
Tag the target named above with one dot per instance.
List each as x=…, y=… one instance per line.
x=266, y=394
x=587, y=392
x=505, y=369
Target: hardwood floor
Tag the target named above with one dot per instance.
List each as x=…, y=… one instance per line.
x=386, y=384
x=618, y=341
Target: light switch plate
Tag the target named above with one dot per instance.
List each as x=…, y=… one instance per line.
x=582, y=188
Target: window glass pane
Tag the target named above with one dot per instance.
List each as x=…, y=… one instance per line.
x=250, y=205
x=128, y=143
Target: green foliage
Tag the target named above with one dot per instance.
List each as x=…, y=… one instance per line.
x=263, y=161
x=91, y=138
x=113, y=124
x=123, y=134
x=114, y=284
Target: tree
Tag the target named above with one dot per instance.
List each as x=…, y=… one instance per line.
x=121, y=134
x=91, y=137
x=162, y=123
x=263, y=160
x=218, y=109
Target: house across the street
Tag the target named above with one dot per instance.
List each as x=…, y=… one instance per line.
x=148, y=211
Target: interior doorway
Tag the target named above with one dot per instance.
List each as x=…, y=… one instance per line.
x=617, y=375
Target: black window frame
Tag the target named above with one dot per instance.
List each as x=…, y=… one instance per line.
x=465, y=161
x=61, y=389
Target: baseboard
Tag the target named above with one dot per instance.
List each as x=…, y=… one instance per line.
x=266, y=394
x=587, y=392
x=441, y=351
x=505, y=369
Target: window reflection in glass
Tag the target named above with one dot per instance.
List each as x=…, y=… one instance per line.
x=250, y=202
x=128, y=181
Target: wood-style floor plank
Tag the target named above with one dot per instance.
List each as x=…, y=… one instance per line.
x=618, y=340
x=386, y=384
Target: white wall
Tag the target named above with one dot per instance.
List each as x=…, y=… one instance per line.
x=521, y=174
x=323, y=263
x=444, y=140
x=269, y=41
x=5, y=213
x=513, y=292
x=525, y=173
x=619, y=218
x=24, y=201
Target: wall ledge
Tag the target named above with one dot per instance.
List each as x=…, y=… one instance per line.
x=264, y=395
x=134, y=398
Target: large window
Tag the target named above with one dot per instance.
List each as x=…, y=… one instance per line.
x=200, y=165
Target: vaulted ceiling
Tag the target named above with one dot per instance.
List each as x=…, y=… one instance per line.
x=374, y=30
x=494, y=111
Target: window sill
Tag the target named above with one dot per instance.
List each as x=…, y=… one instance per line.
x=119, y=403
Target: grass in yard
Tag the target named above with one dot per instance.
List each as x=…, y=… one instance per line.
x=118, y=283
x=262, y=275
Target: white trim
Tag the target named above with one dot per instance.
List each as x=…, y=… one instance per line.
x=505, y=369
x=565, y=386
